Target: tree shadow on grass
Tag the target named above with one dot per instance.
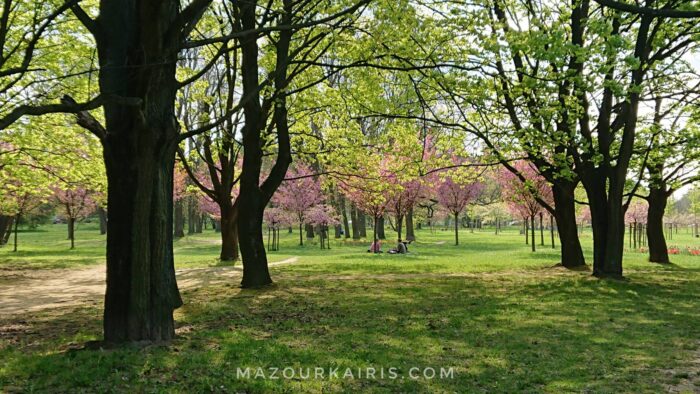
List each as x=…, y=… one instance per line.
x=500, y=333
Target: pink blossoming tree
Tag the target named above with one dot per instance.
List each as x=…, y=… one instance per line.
x=455, y=193
x=77, y=203
x=298, y=193
x=522, y=196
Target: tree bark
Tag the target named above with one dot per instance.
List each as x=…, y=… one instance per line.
x=532, y=232
x=191, y=215
x=541, y=229
x=198, y=224
x=17, y=218
x=658, y=250
x=565, y=217
x=456, y=228
x=355, y=224
x=362, y=224
x=410, y=232
x=103, y=220
x=229, y=233
x=310, y=233
x=254, y=196
x=343, y=210
x=551, y=229
x=179, y=223
x=138, y=52
x=5, y=228
x=607, y=222
x=71, y=232
x=381, y=234
x=8, y=232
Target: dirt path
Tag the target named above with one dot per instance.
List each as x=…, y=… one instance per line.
x=31, y=291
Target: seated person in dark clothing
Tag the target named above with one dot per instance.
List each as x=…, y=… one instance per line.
x=401, y=248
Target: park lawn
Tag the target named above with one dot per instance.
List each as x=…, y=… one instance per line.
x=502, y=317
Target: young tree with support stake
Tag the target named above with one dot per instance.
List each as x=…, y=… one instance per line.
x=524, y=197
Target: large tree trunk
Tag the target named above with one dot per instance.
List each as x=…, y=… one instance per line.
x=5, y=228
x=254, y=196
x=607, y=222
x=229, y=233
x=199, y=224
x=380, y=228
x=191, y=215
x=103, y=220
x=141, y=288
x=179, y=224
x=658, y=250
x=343, y=210
x=309, y=231
x=138, y=51
x=410, y=233
x=565, y=216
x=355, y=224
x=362, y=224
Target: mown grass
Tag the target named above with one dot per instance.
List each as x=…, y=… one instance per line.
x=502, y=317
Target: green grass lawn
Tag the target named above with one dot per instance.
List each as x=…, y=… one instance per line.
x=503, y=318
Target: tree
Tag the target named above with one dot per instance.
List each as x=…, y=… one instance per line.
x=524, y=197
x=575, y=55
x=455, y=192
x=669, y=155
x=276, y=218
x=138, y=46
x=369, y=190
x=323, y=216
x=298, y=193
x=635, y=216
x=77, y=203
x=403, y=199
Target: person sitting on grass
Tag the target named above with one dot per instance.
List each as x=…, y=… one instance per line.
x=375, y=247
x=401, y=248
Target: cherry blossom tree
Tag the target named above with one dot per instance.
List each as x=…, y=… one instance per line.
x=299, y=192
x=404, y=197
x=522, y=197
x=275, y=218
x=455, y=192
x=370, y=190
x=636, y=217
x=77, y=203
x=323, y=216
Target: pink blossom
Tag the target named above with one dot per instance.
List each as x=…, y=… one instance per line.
x=636, y=212
x=522, y=196
x=77, y=203
x=299, y=192
x=455, y=195
x=322, y=215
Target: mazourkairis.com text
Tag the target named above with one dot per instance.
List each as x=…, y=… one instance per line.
x=321, y=373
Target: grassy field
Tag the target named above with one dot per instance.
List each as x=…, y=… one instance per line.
x=503, y=318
